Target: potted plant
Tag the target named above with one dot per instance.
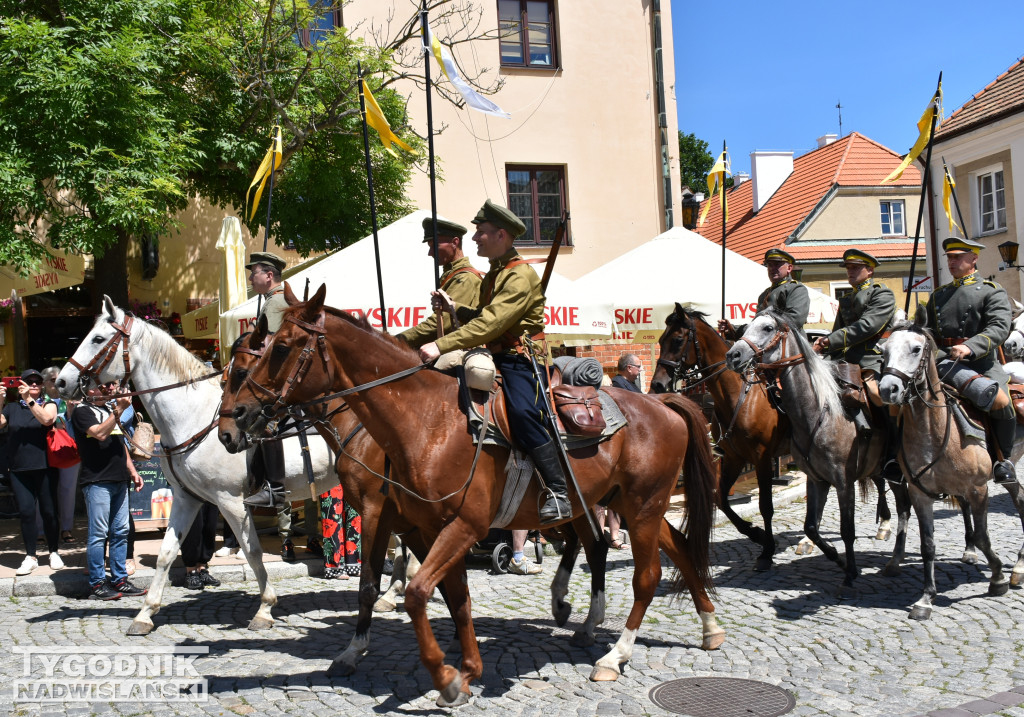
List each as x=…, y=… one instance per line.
x=6, y=310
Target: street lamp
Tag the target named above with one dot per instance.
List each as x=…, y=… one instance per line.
x=691, y=210
x=797, y=274
x=1008, y=253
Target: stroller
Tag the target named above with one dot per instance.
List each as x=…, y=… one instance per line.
x=498, y=545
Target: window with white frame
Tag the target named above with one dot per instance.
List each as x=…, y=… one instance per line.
x=892, y=218
x=991, y=202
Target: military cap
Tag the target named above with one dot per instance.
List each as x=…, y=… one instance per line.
x=501, y=217
x=445, y=228
x=268, y=258
x=858, y=256
x=956, y=245
x=778, y=255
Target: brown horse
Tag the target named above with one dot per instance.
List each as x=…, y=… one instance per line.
x=449, y=485
x=747, y=428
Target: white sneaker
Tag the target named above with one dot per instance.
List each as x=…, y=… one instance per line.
x=523, y=567
x=225, y=552
x=55, y=562
x=27, y=566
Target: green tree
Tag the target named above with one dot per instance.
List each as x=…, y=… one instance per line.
x=695, y=161
x=115, y=113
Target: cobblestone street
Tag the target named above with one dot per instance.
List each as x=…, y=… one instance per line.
x=786, y=627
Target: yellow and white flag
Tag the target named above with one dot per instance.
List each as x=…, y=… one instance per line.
x=473, y=98
x=924, y=127
x=273, y=155
x=376, y=119
x=948, y=185
x=716, y=183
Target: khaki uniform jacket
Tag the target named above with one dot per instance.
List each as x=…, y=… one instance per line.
x=798, y=301
x=273, y=308
x=511, y=302
x=863, y=316
x=978, y=311
x=464, y=288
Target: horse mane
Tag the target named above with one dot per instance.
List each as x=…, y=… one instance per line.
x=166, y=353
x=822, y=372
x=363, y=323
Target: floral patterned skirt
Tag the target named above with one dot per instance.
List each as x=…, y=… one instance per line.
x=342, y=528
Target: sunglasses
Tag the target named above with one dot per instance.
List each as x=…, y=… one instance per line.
x=33, y=382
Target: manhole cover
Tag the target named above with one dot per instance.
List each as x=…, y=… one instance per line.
x=722, y=697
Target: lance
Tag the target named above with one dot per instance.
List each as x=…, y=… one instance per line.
x=270, y=197
x=721, y=189
x=430, y=144
x=373, y=203
x=924, y=189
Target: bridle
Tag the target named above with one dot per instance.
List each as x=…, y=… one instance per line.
x=679, y=371
x=92, y=370
x=916, y=382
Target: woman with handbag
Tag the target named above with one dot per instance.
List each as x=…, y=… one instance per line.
x=67, y=482
x=27, y=423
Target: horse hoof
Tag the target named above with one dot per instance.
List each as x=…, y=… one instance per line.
x=139, y=628
x=339, y=668
x=920, y=613
x=713, y=641
x=883, y=534
x=1016, y=579
x=562, y=614
x=997, y=589
x=452, y=694
x=581, y=639
x=847, y=592
x=383, y=605
x=804, y=549
x=763, y=565
x=969, y=558
x=603, y=674
x=892, y=570
x=260, y=623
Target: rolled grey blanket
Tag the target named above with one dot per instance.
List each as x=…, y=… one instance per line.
x=579, y=371
x=981, y=392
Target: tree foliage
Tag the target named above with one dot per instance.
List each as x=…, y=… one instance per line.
x=116, y=112
x=695, y=161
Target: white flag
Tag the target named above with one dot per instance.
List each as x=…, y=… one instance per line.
x=471, y=96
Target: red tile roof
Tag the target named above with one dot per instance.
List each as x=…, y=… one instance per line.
x=1002, y=97
x=851, y=161
x=882, y=250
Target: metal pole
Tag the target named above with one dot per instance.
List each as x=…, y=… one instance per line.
x=373, y=203
x=270, y=197
x=924, y=189
x=721, y=189
x=430, y=144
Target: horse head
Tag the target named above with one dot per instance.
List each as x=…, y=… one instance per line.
x=99, y=357
x=905, y=357
x=761, y=342
x=294, y=367
x=245, y=352
x=679, y=349
x=1014, y=344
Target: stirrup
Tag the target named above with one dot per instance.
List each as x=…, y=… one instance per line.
x=892, y=472
x=1003, y=473
x=266, y=497
x=555, y=509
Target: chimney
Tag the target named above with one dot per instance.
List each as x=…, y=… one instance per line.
x=769, y=170
x=739, y=178
x=826, y=139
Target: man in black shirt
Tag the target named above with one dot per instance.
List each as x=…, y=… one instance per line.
x=629, y=372
x=106, y=472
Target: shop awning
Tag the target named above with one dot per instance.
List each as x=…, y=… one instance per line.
x=58, y=270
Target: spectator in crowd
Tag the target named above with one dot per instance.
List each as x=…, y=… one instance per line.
x=106, y=472
x=629, y=373
x=67, y=480
x=341, y=536
x=27, y=422
x=197, y=548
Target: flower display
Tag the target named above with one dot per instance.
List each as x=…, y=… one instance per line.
x=6, y=310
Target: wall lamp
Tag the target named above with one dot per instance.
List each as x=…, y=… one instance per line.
x=1008, y=253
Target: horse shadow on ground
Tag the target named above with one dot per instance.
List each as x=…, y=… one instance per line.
x=312, y=628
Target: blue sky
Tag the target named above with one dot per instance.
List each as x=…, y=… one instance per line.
x=768, y=75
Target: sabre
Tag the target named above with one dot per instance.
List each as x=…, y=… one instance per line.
x=556, y=435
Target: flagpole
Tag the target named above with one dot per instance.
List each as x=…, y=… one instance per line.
x=373, y=203
x=722, y=190
x=956, y=202
x=430, y=146
x=924, y=189
x=270, y=197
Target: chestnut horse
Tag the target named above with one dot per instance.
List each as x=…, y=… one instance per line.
x=747, y=428
x=450, y=485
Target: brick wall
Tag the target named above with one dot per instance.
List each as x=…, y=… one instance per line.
x=608, y=356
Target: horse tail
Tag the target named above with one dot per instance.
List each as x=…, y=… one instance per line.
x=701, y=485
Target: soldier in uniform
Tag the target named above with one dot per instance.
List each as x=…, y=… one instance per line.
x=863, y=316
x=784, y=291
x=970, y=318
x=460, y=280
x=511, y=304
x=267, y=463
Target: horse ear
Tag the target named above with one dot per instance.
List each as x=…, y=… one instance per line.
x=109, y=309
x=780, y=304
x=259, y=334
x=315, y=304
x=289, y=295
x=679, y=309
x=921, y=317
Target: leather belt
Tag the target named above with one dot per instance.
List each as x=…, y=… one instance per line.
x=508, y=343
x=946, y=343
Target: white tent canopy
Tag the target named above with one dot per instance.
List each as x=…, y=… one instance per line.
x=682, y=266
x=407, y=272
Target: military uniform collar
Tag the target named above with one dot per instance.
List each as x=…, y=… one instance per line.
x=502, y=261
x=967, y=280
x=279, y=289
x=787, y=280
x=866, y=284
x=458, y=263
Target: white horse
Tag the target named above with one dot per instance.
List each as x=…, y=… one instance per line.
x=204, y=469
x=1014, y=344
